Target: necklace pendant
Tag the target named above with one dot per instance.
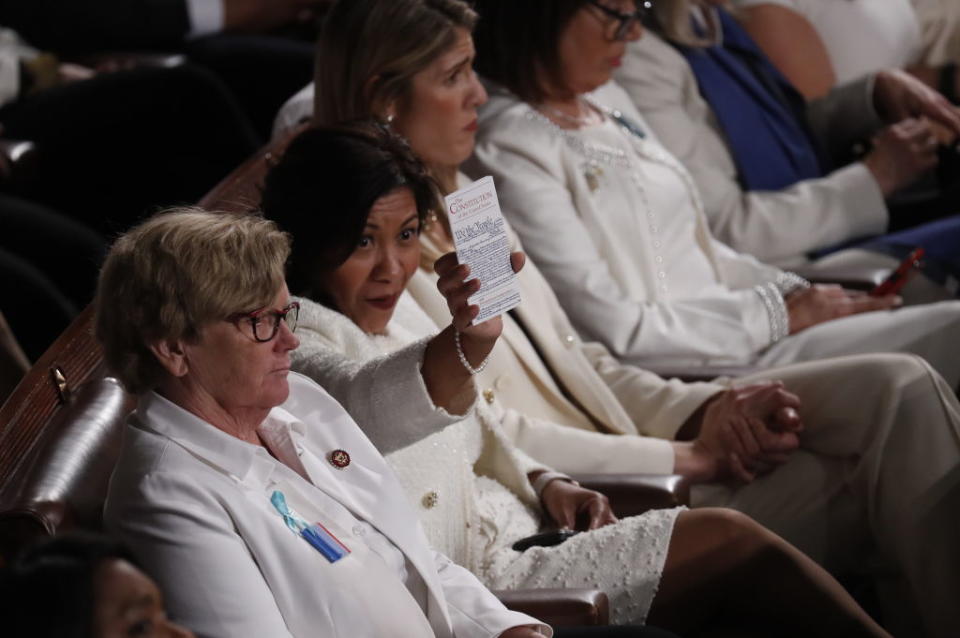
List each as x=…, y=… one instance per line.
x=592, y=173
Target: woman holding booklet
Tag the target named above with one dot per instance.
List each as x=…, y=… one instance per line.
x=352, y=191
x=553, y=391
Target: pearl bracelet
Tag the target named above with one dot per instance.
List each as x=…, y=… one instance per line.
x=463, y=358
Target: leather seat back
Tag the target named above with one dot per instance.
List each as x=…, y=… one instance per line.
x=61, y=428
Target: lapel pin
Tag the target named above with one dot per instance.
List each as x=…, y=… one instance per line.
x=339, y=459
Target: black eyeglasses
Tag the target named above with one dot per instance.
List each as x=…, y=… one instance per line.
x=265, y=323
x=625, y=21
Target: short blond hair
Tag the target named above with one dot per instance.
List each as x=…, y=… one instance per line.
x=176, y=272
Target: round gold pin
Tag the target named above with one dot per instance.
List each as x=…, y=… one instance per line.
x=339, y=459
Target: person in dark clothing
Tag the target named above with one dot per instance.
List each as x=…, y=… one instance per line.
x=119, y=145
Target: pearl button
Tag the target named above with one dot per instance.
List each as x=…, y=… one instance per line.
x=430, y=499
x=359, y=530
x=488, y=396
x=569, y=339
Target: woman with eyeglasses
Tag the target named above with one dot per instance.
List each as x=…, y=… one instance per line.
x=357, y=191
x=777, y=174
x=554, y=393
x=245, y=490
x=616, y=223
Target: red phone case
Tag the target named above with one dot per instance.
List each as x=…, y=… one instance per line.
x=899, y=277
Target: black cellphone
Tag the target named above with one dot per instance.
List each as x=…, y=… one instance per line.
x=546, y=539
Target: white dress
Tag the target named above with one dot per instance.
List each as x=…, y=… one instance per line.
x=616, y=225
x=469, y=485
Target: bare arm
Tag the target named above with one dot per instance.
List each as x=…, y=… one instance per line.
x=793, y=45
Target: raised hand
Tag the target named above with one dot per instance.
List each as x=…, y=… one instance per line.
x=455, y=288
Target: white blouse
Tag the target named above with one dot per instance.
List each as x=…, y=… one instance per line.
x=615, y=224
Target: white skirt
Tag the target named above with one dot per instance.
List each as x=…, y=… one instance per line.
x=624, y=560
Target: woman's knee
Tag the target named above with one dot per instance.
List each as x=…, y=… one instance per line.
x=726, y=533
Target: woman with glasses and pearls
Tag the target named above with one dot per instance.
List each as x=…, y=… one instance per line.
x=357, y=195
x=616, y=223
x=245, y=490
x=553, y=393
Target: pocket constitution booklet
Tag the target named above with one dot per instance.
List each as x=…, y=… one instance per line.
x=480, y=237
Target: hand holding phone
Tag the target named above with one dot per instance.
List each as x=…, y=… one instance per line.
x=546, y=539
x=900, y=276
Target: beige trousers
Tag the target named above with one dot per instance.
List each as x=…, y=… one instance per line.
x=940, y=29
x=878, y=473
x=931, y=331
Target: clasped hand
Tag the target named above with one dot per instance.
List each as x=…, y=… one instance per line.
x=749, y=430
x=899, y=96
x=921, y=120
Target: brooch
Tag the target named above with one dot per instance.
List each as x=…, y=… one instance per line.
x=592, y=172
x=339, y=459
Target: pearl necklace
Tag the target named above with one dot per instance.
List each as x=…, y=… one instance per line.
x=579, y=121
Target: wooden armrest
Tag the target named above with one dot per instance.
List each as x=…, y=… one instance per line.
x=692, y=374
x=560, y=607
x=854, y=278
x=632, y=494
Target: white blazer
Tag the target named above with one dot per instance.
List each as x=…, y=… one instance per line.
x=587, y=388
x=622, y=238
x=194, y=505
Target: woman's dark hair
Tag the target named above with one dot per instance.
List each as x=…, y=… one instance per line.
x=518, y=44
x=322, y=189
x=48, y=589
